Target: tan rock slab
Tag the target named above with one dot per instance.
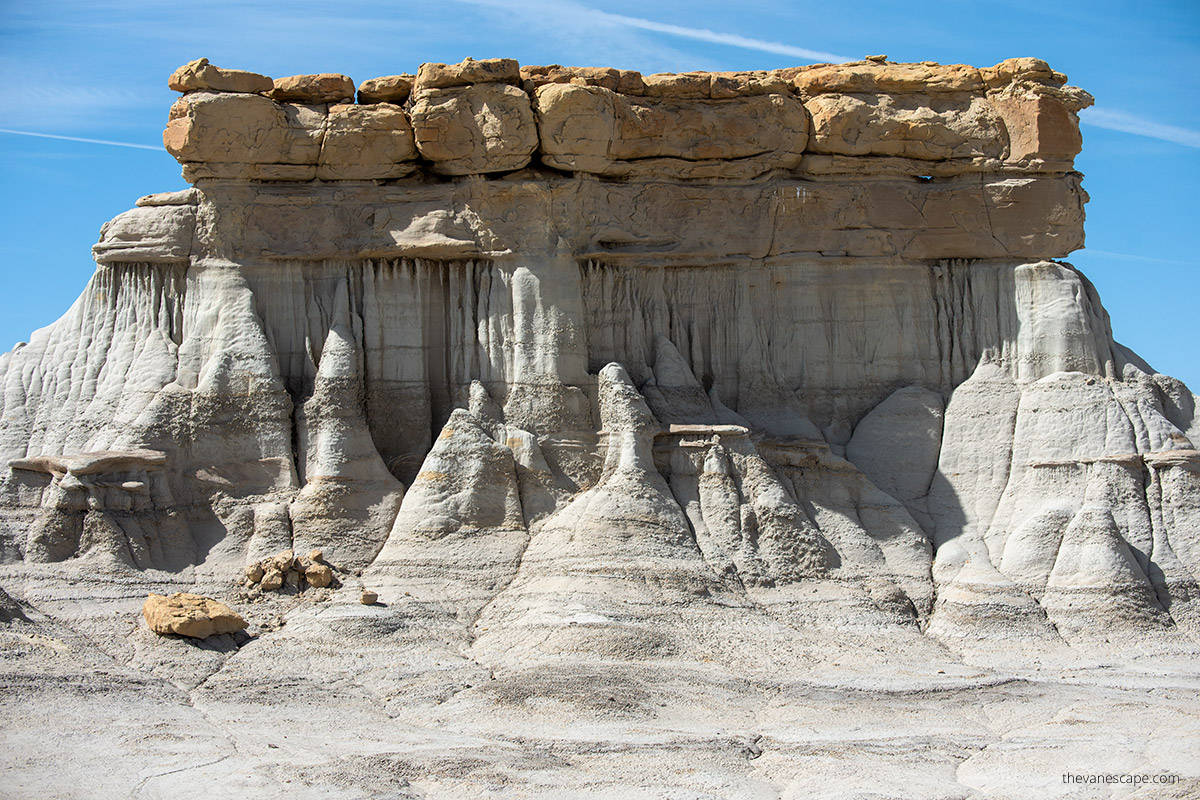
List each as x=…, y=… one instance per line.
x=746, y=84
x=922, y=126
x=944, y=218
x=183, y=197
x=592, y=129
x=238, y=135
x=1039, y=127
x=371, y=142
x=325, y=87
x=695, y=85
x=474, y=129
x=1029, y=70
x=93, y=463
x=873, y=76
x=199, y=75
x=690, y=85
x=192, y=615
x=386, y=89
x=532, y=76
x=152, y=234
x=467, y=73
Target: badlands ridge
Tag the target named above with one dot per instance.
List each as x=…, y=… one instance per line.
x=702, y=435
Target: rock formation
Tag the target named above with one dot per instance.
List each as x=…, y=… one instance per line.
x=593, y=372
x=190, y=615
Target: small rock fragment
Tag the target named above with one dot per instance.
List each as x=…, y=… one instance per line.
x=255, y=572
x=387, y=89
x=631, y=82
x=319, y=576
x=288, y=569
x=190, y=615
x=283, y=561
x=368, y=598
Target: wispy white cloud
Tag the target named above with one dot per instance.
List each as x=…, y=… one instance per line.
x=731, y=39
x=1133, y=257
x=1125, y=122
x=82, y=139
x=583, y=13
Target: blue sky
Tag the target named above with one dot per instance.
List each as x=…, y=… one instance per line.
x=98, y=70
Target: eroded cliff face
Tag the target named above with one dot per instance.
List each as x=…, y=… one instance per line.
x=795, y=343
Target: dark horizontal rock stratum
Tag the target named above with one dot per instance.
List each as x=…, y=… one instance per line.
x=607, y=379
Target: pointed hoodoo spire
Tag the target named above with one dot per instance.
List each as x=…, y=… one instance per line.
x=467, y=483
x=628, y=423
x=674, y=394
x=1096, y=577
x=349, y=497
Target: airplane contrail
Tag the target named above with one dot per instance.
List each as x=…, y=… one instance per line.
x=1125, y=122
x=81, y=139
x=586, y=13
x=732, y=39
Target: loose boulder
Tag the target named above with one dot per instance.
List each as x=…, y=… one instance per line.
x=192, y=615
x=201, y=75
x=326, y=87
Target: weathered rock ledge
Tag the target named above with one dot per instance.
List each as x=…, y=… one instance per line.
x=484, y=117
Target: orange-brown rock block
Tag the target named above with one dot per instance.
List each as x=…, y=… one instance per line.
x=469, y=72
x=595, y=130
x=326, y=87
x=746, y=84
x=874, y=76
x=923, y=126
x=464, y=130
x=533, y=77
x=856, y=120
x=1021, y=70
x=387, y=89
x=367, y=143
x=199, y=75
x=191, y=615
x=244, y=136
x=318, y=575
x=223, y=135
x=1041, y=127
x=684, y=85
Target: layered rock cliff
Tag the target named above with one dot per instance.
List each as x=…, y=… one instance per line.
x=699, y=435
x=519, y=335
